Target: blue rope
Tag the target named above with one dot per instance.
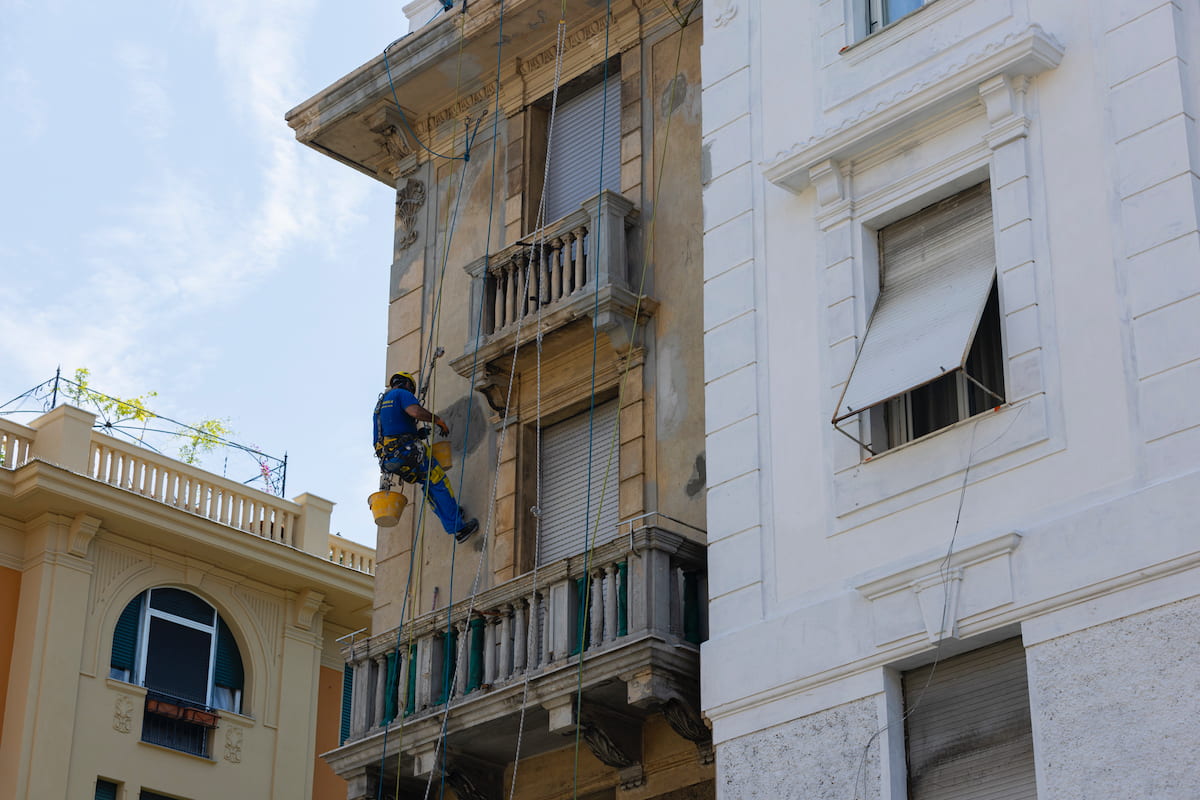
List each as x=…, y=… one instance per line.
x=466, y=156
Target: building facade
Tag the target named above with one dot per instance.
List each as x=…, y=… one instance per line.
x=952, y=265
x=546, y=163
x=164, y=632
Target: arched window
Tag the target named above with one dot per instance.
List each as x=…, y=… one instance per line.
x=176, y=645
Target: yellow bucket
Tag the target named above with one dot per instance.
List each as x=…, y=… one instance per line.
x=387, y=507
x=443, y=455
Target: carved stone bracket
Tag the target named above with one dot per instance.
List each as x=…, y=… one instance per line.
x=409, y=201
x=83, y=529
x=305, y=608
x=474, y=780
x=687, y=722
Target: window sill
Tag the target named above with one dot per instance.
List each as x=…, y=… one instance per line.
x=124, y=687
x=933, y=465
x=184, y=753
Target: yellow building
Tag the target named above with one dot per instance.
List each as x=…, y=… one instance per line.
x=546, y=160
x=164, y=632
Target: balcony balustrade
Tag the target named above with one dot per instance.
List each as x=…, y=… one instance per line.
x=635, y=610
x=64, y=436
x=575, y=267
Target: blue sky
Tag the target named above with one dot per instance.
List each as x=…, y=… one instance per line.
x=162, y=227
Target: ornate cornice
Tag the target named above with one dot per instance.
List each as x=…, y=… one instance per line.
x=526, y=66
x=1028, y=52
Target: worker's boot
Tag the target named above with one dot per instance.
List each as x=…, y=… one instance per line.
x=468, y=528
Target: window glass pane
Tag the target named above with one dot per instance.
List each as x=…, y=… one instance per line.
x=895, y=9
x=177, y=660
x=182, y=604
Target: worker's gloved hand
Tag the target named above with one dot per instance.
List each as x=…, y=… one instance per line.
x=442, y=426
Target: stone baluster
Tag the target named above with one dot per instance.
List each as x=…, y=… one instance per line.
x=360, y=696
x=489, y=650
x=520, y=625
x=580, y=277
x=550, y=273
x=380, y=687
x=506, y=643
x=510, y=293
x=524, y=267
x=462, y=656
x=610, y=602
x=533, y=644
x=596, y=612
x=402, y=667
x=497, y=276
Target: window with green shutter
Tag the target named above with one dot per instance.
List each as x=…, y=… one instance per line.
x=125, y=641
x=105, y=790
x=347, y=698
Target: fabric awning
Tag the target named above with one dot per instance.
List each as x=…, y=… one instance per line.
x=938, y=266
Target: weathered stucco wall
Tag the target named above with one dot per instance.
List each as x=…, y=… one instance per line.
x=1114, y=708
x=823, y=756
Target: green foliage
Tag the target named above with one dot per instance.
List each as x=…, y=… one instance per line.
x=114, y=410
x=203, y=437
x=199, y=438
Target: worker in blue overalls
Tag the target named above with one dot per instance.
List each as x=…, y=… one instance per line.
x=401, y=451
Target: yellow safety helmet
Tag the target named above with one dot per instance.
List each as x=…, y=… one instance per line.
x=405, y=377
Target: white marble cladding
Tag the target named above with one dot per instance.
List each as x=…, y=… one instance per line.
x=830, y=570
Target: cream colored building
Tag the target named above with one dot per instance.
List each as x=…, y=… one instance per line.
x=164, y=632
x=611, y=289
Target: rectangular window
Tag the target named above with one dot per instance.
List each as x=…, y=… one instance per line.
x=932, y=353
x=967, y=728
x=569, y=509
x=884, y=12
x=583, y=150
x=106, y=790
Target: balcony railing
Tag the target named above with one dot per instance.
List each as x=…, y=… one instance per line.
x=351, y=554
x=638, y=609
x=182, y=486
x=15, y=443
x=65, y=437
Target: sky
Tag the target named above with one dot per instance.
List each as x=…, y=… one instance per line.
x=163, y=228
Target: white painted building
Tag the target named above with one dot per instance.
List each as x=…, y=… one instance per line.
x=952, y=315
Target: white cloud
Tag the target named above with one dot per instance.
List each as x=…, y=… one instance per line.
x=148, y=104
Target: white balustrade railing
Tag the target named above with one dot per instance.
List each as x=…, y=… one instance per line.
x=16, y=441
x=563, y=261
x=182, y=486
x=351, y=555
x=648, y=583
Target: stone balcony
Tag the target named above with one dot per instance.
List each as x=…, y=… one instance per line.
x=64, y=437
x=634, y=612
x=575, y=268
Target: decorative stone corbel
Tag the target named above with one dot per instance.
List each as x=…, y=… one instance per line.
x=492, y=382
x=80, y=534
x=830, y=183
x=1004, y=100
x=614, y=740
x=473, y=779
x=687, y=722
x=305, y=608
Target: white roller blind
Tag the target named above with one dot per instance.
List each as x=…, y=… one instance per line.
x=575, y=148
x=968, y=733
x=937, y=268
x=565, y=522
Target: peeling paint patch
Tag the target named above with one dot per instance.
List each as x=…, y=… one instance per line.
x=699, y=479
x=674, y=95
x=456, y=417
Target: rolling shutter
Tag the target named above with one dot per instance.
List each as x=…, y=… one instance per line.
x=125, y=636
x=937, y=268
x=568, y=518
x=228, y=670
x=968, y=733
x=347, y=701
x=576, y=158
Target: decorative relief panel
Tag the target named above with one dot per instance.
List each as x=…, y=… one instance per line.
x=123, y=714
x=233, y=745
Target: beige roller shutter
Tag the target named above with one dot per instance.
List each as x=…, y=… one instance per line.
x=565, y=522
x=968, y=733
x=937, y=268
x=576, y=156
